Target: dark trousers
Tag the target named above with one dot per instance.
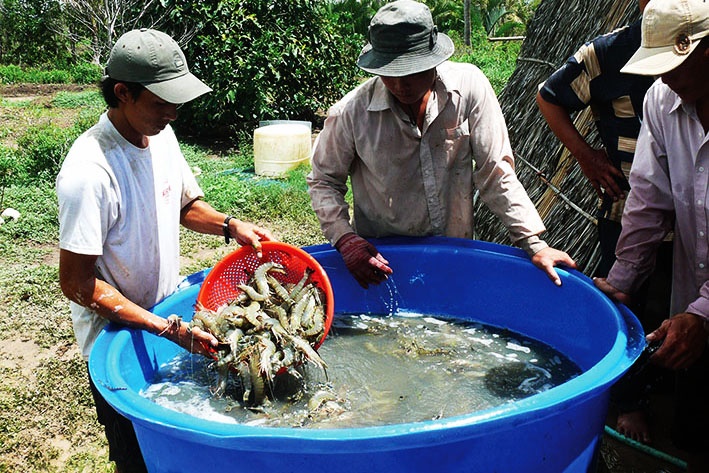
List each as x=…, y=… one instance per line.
x=651, y=306
x=691, y=414
x=123, y=448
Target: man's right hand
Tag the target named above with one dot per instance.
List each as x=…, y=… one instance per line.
x=193, y=339
x=601, y=173
x=612, y=292
x=683, y=341
x=363, y=260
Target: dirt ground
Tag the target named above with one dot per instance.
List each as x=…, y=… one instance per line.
x=27, y=91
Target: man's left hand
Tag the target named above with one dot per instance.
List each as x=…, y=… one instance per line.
x=549, y=257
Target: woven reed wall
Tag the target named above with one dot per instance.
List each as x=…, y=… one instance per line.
x=557, y=30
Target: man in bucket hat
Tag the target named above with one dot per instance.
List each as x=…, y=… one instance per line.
x=669, y=183
x=123, y=190
x=416, y=141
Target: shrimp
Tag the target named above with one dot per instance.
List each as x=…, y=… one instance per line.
x=318, y=323
x=260, y=277
x=204, y=319
x=296, y=292
x=266, y=350
x=297, y=313
x=253, y=314
x=319, y=398
x=305, y=348
x=253, y=294
x=280, y=291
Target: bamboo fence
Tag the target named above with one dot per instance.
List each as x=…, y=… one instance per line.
x=553, y=179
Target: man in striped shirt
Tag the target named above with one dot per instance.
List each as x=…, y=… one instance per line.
x=592, y=78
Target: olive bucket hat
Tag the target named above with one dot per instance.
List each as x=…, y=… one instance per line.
x=154, y=60
x=403, y=40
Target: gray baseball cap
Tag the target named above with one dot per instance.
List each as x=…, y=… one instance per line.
x=154, y=60
x=403, y=40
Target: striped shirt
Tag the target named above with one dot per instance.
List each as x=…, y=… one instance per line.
x=592, y=77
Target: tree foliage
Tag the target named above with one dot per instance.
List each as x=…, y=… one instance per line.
x=27, y=36
x=98, y=23
x=353, y=15
x=264, y=59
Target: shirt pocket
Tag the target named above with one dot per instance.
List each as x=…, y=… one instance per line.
x=456, y=145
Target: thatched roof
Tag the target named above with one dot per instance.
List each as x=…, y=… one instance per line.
x=557, y=30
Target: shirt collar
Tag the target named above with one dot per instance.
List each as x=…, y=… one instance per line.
x=677, y=103
x=689, y=108
x=381, y=98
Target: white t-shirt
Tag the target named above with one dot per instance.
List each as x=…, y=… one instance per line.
x=123, y=203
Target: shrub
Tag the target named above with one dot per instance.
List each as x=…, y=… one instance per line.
x=42, y=149
x=86, y=73
x=8, y=169
x=39, y=219
x=11, y=74
x=89, y=98
x=265, y=59
x=496, y=59
x=53, y=76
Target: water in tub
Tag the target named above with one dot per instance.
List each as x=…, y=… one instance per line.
x=382, y=370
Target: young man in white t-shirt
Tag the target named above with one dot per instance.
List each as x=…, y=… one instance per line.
x=123, y=190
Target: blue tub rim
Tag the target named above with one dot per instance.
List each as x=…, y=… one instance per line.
x=622, y=354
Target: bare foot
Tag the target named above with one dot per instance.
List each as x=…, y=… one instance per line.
x=634, y=425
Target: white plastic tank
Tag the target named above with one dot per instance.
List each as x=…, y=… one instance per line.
x=280, y=147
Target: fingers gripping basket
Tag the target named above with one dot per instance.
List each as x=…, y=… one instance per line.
x=221, y=284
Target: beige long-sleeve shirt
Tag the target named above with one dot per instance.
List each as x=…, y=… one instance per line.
x=412, y=182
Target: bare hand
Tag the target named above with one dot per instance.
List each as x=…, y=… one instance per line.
x=194, y=340
x=549, y=257
x=601, y=173
x=612, y=292
x=684, y=341
x=249, y=234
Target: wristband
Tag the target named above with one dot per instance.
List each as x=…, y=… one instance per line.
x=225, y=228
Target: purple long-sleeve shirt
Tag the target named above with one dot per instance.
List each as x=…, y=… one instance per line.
x=669, y=183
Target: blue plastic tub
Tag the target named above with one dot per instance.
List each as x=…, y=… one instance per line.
x=554, y=431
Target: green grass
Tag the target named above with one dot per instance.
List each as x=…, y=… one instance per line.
x=89, y=98
x=78, y=74
x=496, y=59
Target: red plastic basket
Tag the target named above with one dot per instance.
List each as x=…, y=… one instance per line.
x=220, y=285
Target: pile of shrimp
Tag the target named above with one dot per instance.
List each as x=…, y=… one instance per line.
x=269, y=329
